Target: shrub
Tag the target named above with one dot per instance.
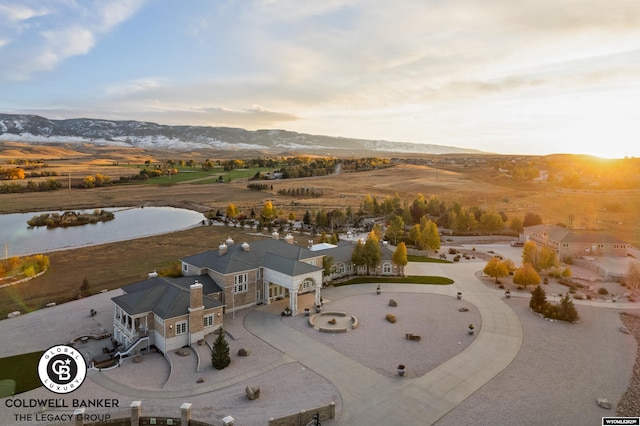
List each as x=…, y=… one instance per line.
x=577, y=296
x=603, y=291
x=391, y=318
x=588, y=297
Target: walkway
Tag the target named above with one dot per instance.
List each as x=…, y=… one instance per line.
x=370, y=398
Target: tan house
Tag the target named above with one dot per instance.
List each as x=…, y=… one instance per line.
x=574, y=243
x=171, y=313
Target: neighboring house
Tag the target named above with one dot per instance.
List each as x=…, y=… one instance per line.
x=168, y=313
x=573, y=243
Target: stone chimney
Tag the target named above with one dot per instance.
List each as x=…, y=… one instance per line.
x=229, y=241
x=289, y=239
x=309, y=244
x=275, y=235
x=195, y=298
x=246, y=246
x=222, y=249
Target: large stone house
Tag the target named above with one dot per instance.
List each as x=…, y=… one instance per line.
x=574, y=243
x=171, y=313
x=174, y=312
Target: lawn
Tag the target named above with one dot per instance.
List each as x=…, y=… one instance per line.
x=23, y=370
x=399, y=280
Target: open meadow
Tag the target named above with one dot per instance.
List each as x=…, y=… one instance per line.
x=113, y=265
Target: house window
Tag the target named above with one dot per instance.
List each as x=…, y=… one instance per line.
x=181, y=327
x=259, y=274
x=184, y=267
x=307, y=284
x=208, y=321
x=240, y=283
x=386, y=268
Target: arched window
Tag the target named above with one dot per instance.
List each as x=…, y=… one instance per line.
x=386, y=268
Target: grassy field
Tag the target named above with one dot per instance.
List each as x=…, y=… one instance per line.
x=113, y=265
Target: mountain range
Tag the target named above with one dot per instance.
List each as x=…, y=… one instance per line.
x=141, y=134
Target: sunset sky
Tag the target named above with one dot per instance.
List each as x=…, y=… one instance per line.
x=505, y=76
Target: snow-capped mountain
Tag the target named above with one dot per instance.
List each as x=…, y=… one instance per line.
x=33, y=128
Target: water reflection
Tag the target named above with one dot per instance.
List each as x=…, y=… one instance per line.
x=18, y=239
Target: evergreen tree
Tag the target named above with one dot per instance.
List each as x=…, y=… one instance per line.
x=567, y=310
x=220, y=353
x=538, y=299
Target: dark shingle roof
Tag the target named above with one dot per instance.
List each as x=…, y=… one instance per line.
x=167, y=298
x=287, y=266
x=236, y=259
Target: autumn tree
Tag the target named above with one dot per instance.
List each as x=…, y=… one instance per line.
x=400, y=256
x=491, y=222
x=547, y=259
x=372, y=252
x=530, y=253
x=515, y=224
x=526, y=275
x=395, y=230
x=232, y=210
x=531, y=219
x=268, y=210
x=496, y=268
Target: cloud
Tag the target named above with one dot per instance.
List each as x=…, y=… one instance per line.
x=42, y=38
x=140, y=85
x=18, y=12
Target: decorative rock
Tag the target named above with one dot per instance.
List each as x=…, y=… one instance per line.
x=463, y=309
x=604, y=403
x=624, y=329
x=243, y=352
x=200, y=380
x=137, y=359
x=393, y=303
x=253, y=392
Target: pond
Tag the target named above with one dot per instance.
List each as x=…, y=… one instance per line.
x=17, y=239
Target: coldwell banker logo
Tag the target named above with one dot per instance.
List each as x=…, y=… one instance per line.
x=62, y=369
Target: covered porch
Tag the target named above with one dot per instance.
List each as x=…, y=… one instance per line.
x=290, y=277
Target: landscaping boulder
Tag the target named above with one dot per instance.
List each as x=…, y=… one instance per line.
x=393, y=303
x=243, y=352
x=253, y=392
x=604, y=403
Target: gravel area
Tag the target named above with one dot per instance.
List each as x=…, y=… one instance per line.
x=629, y=405
x=559, y=373
x=381, y=345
